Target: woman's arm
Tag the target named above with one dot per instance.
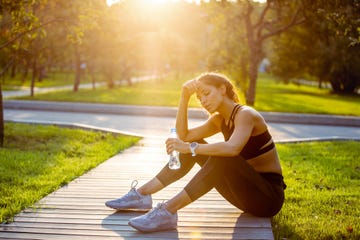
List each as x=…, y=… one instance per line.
x=210, y=127
x=244, y=124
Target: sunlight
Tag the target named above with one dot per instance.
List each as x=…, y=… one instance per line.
x=111, y=2
x=157, y=2
x=146, y=2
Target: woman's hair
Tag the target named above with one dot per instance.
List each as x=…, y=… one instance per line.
x=216, y=80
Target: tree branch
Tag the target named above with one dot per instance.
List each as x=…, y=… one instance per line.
x=20, y=35
x=7, y=67
x=261, y=19
x=294, y=21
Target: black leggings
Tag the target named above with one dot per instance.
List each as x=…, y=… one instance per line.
x=261, y=194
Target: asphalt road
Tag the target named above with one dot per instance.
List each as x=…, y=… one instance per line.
x=160, y=126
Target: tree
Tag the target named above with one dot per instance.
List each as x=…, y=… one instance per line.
x=23, y=26
x=17, y=21
x=325, y=46
x=260, y=22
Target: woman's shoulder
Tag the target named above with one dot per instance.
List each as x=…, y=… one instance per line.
x=245, y=109
x=248, y=111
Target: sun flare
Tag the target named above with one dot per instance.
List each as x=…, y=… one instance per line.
x=145, y=2
x=157, y=2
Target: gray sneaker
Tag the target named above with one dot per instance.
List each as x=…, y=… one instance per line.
x=158, y=219
x=131, y=201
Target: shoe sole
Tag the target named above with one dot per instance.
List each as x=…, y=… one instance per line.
x=149, y=231
x=130, y=209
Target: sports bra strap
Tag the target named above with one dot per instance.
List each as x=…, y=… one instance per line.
x=230, y=123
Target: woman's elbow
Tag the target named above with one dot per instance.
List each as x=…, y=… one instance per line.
x=233, y=151
x=184, y=137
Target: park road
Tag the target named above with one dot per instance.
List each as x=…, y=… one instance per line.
x=160, y=126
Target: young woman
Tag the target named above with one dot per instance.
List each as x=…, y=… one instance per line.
x=244, y=168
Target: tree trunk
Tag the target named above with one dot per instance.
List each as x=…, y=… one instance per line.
x=93, y=78
x=33, y=77
x=244, y=73
x=254, y=55
x=13, y=71
x=320, y=84
x=2, y=134
x=253, y=74
x=25, y=73
x=77, y=70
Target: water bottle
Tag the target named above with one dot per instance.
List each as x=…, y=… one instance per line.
x=174, y=161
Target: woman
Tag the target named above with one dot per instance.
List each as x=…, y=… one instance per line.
x=244, y=169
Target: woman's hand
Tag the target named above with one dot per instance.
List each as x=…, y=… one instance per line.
x=176, y=144
x=189, y=87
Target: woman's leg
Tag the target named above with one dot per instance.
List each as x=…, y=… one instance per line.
x=166, y=176
x=251, y=192
x=236, y=181
x=152, y=186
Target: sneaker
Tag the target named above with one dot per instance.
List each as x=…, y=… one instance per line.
x=131, y=201
x=158, y=219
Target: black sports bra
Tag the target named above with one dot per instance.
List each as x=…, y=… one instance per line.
x=255, y=145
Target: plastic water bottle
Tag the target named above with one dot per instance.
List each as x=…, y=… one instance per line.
x=174, y=161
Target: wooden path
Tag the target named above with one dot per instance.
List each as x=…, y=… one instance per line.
x=77, y=211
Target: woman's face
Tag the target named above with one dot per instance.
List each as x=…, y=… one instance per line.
x=209, y=96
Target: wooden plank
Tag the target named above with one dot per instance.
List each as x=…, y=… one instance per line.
x=77, y=210
x=181, y=232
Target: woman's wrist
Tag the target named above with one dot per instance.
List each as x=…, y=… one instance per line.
x=185, y=96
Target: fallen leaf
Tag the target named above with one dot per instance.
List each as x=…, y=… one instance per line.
x=337, y=211
x=349, y=229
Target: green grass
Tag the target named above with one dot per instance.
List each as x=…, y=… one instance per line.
x=271, y=96
x=36, y=160
x=52, y=79
x=280, y=97
x=323, y=193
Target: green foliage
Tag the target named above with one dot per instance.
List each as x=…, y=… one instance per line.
x=324, y=47
x=323, y=192
x=36, y=160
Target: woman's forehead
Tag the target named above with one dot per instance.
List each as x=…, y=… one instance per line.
x=203, y=86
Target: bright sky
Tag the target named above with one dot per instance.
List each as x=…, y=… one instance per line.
x=111, y=2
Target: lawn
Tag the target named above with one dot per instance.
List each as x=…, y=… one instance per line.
x=280, y=97
x=323, y=193
x=271, y=96
x=36, y=160
x=52, y=79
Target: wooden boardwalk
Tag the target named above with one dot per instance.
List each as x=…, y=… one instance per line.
x=77, y=211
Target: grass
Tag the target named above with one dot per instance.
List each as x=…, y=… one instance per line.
x=36, y=160
x=271, y=96
x=323, y=193
x=52, y=79
x=280, y=97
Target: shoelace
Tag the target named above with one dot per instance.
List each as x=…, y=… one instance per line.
x=159, y=210
x=134, y=184
x=132, y=191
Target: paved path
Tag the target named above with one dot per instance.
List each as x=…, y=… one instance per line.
x=159, y=126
